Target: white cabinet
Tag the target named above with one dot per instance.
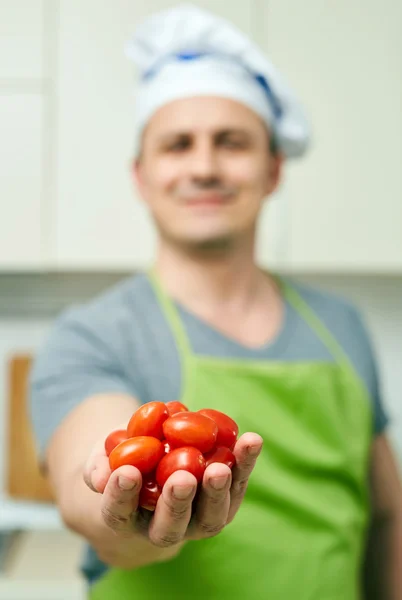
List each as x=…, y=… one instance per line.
x=20, y=181
x=99, y=221
x=344, y=202
x=21, y=133
x=21, y=39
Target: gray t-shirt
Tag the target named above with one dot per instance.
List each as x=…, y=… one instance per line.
x=120, y=342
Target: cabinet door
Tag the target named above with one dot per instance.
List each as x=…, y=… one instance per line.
x=21, y=39
x=20, y=180
x=99, y=221
x=343, y=201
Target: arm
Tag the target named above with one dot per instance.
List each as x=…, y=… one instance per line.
x=383, y=564
x=81, y=509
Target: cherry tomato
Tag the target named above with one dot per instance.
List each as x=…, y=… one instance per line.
x=143, y=452
x=187, y=459
x=150, y=492
x=148, y=420
x=227, y=428
x=114, y=438
x=191, y=429
x=220, y=455
x=175, y=407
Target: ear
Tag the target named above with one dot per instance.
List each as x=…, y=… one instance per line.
x=137, y=172
x=274, y=172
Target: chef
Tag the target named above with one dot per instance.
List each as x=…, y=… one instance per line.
x=312, y=510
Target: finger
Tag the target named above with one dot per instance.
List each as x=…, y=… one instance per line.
x=173, y=510
x=120, y=499
x=96, y=469
x=97, y=472
x=246, y=451
x=214, y=501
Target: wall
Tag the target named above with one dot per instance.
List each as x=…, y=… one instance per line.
x=28, y=303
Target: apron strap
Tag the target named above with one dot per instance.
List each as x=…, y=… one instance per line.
x=173, y=318
x=301, y=306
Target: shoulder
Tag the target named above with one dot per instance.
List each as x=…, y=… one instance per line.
x=105, y=328
x=328, y=305
x=343, y=318
x=347, y=324
x=113, y=308
x=341, y=315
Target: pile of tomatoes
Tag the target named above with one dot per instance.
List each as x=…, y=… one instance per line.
x=162, y=438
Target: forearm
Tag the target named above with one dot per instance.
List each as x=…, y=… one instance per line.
x=383, y=566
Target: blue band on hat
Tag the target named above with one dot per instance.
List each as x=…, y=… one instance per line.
x=260, y=79
x=276, y=107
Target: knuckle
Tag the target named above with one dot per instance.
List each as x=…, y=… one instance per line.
x=113, y=520
x=177, y=513
x=210, y=529
x=248, y=463
x=167, y=539
x=216, y=498
x=240, y=486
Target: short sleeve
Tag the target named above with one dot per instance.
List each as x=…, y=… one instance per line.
x=366, y=361
x=76, y=361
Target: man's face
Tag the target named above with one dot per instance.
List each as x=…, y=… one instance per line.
x=204, y=171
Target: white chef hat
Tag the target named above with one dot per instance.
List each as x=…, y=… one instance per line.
x=186, y=51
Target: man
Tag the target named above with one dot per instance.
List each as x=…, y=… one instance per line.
x=291, y=365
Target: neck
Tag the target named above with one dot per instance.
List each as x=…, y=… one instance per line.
x=227, y=278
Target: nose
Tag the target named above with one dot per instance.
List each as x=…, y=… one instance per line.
x=204, y=163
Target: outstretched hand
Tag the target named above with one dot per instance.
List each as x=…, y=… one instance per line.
x=176, y=517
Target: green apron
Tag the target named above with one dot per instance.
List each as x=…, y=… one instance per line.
x=300, y=531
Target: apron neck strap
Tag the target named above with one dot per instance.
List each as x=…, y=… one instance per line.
x=171, y=313
x=304, y=310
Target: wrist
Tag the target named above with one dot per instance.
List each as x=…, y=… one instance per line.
x=133, y=552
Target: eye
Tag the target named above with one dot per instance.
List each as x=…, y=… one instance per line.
x=178, y=145
x=234, y=143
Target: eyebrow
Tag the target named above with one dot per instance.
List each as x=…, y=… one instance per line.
x=218, y=133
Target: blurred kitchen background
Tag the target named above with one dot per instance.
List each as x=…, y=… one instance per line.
x=71, y=224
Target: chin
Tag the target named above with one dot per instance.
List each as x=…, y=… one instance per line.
x=210, y=243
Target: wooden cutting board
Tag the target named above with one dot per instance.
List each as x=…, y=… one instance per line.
x=24, y=480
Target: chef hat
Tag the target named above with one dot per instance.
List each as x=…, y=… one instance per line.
x=186, y=51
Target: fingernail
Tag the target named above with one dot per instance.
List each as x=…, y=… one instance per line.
x=254, y=450
x=181, y=492
x=126, y=484
x=218, y=483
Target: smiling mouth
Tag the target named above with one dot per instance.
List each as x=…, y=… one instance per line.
x=209, y=200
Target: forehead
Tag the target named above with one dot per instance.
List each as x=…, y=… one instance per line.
x=203, y=114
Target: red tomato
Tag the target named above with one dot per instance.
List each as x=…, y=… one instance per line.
x=150, y=492
x=191, y=429
x=142, y=452
x=148, y=420
x=220, y=455
x=227, y=428
x=114, y=438
x=175, y=407
x=187, y=459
